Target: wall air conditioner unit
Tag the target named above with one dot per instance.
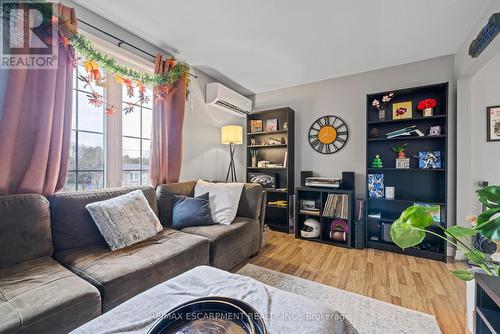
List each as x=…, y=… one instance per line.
x=220, y=96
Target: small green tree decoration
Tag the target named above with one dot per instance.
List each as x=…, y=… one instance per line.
x=377, y=162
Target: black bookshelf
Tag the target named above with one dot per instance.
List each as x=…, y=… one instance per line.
x=278, y=218
x=320, y=194
x=412, y=185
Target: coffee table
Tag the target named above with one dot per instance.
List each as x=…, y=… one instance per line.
x=283, y=312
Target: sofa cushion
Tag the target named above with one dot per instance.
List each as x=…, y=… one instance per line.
x=165, y=194
x=125, y=220
x=191, y=211
x=230, y=244
x=122, y=274
x=24, y=228
x=224, y=199
x=72, y=225
x=251, y=201
x=41, y=296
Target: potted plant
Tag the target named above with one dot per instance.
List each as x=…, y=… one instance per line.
x=427, y=107
x=381, y=106
x=414, y=223
x=400, y=150
x=401, y=161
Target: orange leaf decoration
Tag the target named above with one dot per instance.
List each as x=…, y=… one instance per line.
x=110, y=110
x=127, y=82
x=90, y=66
x=171, y=63
x=119, y=79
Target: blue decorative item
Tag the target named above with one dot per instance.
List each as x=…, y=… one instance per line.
x=429, y=160
x=376, y=185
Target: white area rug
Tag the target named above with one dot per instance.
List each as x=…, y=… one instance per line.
x=367, y=315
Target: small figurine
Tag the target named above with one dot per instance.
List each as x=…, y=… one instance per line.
x=377, y=162
x=253, y=142
x=283, y=140
x=435, y=131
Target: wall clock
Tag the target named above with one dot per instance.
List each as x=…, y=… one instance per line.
x=328, y=134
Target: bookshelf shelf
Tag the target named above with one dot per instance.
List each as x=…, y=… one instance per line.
x=278, y=218
x=265, y=132
x=408, y=138
x=411, y=120
x=320, y=196
x=267, y=146
x=412, y=170
x=412, y=185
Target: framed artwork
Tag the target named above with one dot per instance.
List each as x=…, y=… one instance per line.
x=376, y=185
x=402, y=110
x=493, y=125
x=433, y=209
x=429, y=160
x=272, y=125
x=256, y=125
x=266, y=180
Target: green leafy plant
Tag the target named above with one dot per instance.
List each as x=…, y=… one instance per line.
x=416, y=222
x=400, y=148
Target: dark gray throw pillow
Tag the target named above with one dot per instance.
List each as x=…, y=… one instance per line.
x=191, y=211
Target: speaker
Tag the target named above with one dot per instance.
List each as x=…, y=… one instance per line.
x=304, y=175
x=348, y=180
x=385, y=232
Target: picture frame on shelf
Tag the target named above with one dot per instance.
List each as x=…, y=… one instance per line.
x=402, y=110
x=256, y=125
x=272, y=125
x=429, y=160
x=376, y=185
x=266, y=180
x=493, y=123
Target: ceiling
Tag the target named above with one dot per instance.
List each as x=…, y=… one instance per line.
x=262, y=45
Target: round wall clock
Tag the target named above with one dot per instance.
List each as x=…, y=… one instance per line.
x=328, y=134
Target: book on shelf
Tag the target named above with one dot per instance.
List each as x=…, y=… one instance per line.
x=309, y=207
x=309, y=212
x=337, y=206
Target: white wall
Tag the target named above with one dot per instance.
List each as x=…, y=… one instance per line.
x=346, y=97
x=204, y=156
x=485, y=156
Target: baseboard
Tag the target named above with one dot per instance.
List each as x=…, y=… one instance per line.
x=459, y=256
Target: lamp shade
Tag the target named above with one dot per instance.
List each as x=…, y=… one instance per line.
x=232, y=134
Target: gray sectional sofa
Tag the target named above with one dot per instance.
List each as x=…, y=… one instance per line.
x=57, y=272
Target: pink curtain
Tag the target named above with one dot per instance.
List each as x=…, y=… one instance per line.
x=35, y=130
x=166, y=138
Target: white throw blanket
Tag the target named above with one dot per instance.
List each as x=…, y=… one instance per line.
x=283, y=312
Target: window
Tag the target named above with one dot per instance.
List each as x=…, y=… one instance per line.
x=86, y=163
x=109, y=151
x=136, y=141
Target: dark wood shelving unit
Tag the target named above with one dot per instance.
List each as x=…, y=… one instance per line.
x=320, y=194
x=278, y=218
x=487, y=304
x=413, y=185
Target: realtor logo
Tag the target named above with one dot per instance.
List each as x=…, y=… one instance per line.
x=29, y=36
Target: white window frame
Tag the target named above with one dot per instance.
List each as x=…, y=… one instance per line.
x=113, y=95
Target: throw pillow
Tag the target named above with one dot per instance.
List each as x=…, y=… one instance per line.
x=125, y=220
x=191, y=211
x=224, y=199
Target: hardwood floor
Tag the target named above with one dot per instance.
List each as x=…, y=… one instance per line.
x=419, y=284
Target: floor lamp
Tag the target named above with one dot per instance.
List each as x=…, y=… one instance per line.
x=231, y=135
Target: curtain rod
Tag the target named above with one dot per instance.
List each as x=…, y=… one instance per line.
x=121, y=41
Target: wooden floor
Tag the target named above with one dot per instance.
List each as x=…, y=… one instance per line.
x=411, y=282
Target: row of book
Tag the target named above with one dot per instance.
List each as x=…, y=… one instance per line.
x=337, y=205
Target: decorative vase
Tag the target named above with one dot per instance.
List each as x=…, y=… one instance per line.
x=254, y=161
x=428, y=112
x=381, y=114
